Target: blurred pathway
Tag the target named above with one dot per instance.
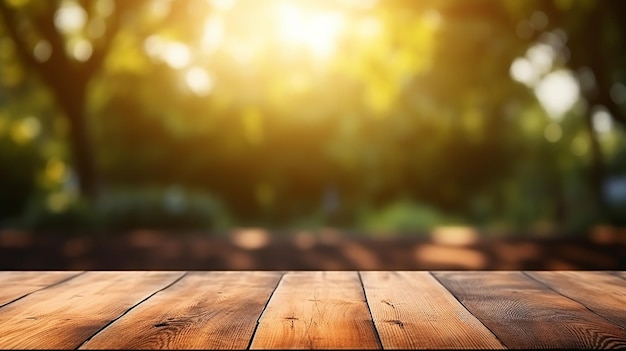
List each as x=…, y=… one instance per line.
x=257, y=249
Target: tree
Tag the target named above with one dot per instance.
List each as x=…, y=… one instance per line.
x=268, y=105
x=596, y=37
x=65, y=44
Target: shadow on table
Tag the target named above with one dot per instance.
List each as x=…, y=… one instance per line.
x=454, y=248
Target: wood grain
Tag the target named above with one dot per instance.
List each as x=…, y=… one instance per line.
x=601, y=292
x=65, y=315
x=413, y=310
x=204, y=310
x=317, y=310
x=309, y=310
x=16, y=284
x=524, y=313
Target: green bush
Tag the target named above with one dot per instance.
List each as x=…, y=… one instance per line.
x=159, y=208
x=77, y=215
x=401, y=217
x=18, y=164
x=125, y=209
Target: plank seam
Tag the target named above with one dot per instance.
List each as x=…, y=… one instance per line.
x=45, y=287
x=369, y=310
x=573, y=299
x=130, y=309
x=468, y=310
x=258, y=320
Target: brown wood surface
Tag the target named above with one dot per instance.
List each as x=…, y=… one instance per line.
x=601, y=292
x=317, y=310
x=16, y=284
x=524, y=313
x=313, y=309
x=65, y=315
x=204, y=310
x=413, y=310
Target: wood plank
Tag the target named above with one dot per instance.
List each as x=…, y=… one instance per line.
x=317, y=310
x=65, y=315
x=16, y=284
x=412, y=310
x=524, y=313
x=204, y=310
x=601, y=292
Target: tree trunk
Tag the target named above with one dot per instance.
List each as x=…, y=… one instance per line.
x=589, y=51
x=596, y=170
x=68, y=81
x=80, y=145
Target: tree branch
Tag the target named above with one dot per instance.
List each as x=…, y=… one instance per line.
x=122, y=8
x=11, y=25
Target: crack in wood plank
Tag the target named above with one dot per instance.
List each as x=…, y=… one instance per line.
x=396, y=322
x=388, y=303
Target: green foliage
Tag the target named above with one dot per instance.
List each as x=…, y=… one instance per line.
x=77, y=217
x=156, y=207
x=18, y=164
x=414, y=99
x=403, y=217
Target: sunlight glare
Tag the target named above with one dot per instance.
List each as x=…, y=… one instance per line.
x=70, y=17
x=369, y=27
x=602, y=120
x=81, y=49
x=199, y=81
x=557, y=92
x=359, y=4
x=153, y=45
x=541, y=56
x=176, y=55
x=250, y=238
x=454, y=235
x=523, y=72
x=213, y=34
x=223, y=5
x=242, y=52
x=317, y=31
x=449, y=256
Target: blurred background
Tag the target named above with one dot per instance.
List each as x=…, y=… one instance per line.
x=379, y=119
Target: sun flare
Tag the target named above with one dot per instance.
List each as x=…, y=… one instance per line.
x=318, y=31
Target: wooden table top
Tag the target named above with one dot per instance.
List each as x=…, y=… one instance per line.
x=312, y=309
